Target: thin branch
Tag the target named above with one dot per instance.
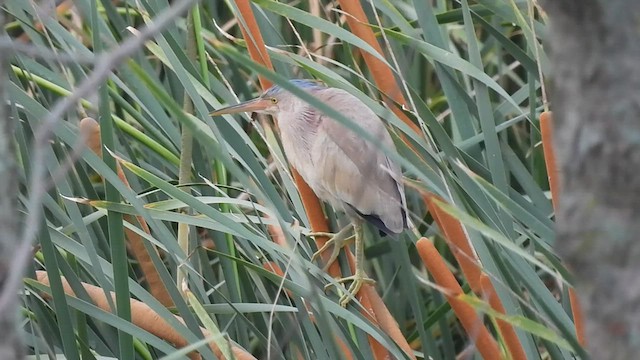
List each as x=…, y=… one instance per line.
x=186, y=151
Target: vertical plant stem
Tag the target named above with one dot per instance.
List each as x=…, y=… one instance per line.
x=578, y=318
x=457, y=242
x=255, y=43
x=546, y=128
x=314, y=7
x=382, y=74
x=186, y=152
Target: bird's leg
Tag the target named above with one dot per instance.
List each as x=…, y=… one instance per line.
x=338, y=241
x=360, y=277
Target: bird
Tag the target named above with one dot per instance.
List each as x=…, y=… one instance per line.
x=343, y=169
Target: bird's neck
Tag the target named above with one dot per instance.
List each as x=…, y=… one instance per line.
x=297, y=132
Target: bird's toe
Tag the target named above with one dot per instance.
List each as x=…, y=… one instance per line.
x=357, y=281
x=337, y=241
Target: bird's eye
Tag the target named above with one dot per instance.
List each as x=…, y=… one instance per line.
x=274, y=100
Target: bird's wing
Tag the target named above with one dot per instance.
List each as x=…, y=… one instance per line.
x=356, y=171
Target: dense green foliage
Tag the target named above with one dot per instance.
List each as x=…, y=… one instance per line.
x=471, y=74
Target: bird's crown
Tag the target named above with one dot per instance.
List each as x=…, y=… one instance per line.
x=301, y=83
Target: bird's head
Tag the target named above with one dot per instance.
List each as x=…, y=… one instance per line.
x=272, y=101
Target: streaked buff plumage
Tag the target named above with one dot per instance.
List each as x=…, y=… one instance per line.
x=342, y=168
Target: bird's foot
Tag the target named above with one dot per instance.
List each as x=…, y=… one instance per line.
x=338, y=241
x=357, y=280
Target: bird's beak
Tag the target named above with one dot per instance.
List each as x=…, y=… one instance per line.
x=254, y=105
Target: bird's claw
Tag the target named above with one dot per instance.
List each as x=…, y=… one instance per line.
x=357, y=281
x=338, y=241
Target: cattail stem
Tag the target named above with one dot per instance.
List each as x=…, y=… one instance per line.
x=546, y=128
x=471, y=322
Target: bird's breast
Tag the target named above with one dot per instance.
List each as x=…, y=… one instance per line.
x=298, y=142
